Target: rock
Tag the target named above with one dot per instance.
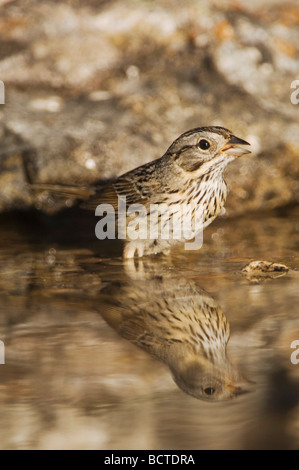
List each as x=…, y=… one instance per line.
x=95, y=89
x=260, y=270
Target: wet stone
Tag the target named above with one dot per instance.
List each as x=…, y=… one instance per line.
x=129, y=91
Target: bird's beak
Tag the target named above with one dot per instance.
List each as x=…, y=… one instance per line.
x=233, y=147
x=238, y=388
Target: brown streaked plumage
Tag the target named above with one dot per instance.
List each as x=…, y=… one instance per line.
x=181, y=325
x=185, y=174
x=189, y=173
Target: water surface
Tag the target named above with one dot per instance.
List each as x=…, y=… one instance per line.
x=87, y=367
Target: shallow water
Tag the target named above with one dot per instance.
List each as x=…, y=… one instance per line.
x=87, y=362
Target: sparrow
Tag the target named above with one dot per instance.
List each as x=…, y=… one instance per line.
x=186, y=181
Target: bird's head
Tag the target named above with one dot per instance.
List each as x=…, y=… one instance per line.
x=204, y=148
x=205, y=381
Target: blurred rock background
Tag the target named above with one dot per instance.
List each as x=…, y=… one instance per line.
x=95, y=88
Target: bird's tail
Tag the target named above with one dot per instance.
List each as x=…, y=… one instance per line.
x=70, y=192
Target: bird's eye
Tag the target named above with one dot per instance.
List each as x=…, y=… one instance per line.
x=209, y=391
x=204, y=144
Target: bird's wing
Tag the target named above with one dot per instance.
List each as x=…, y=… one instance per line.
x=133, y=327
x=135, y=191
x=106, y=195
x=138, y=186
x=129, y=324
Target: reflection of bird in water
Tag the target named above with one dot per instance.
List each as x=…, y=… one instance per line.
x=182, y=326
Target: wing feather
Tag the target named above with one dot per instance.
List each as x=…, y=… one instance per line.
x=135, y=192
